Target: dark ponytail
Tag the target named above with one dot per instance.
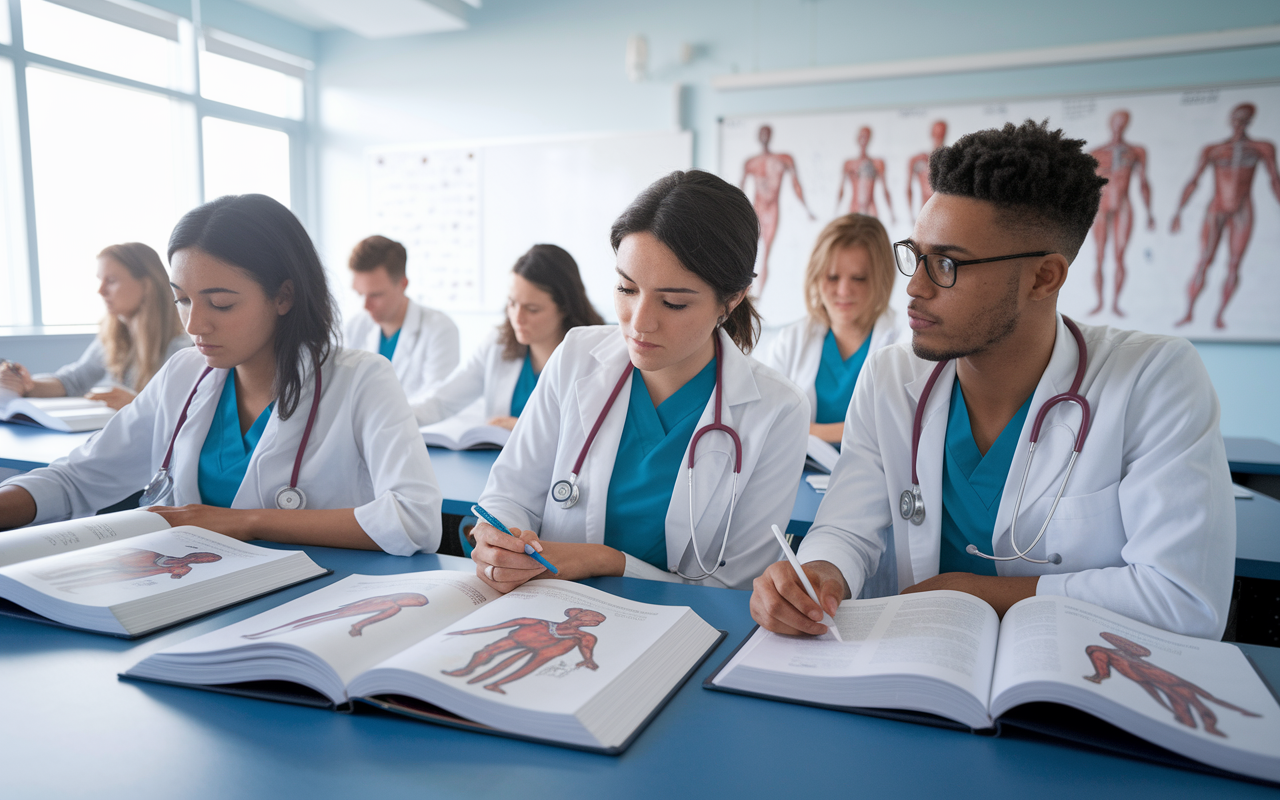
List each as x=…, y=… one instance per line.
x=711, y=227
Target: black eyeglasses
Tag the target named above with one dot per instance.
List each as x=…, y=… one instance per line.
x=942, y=269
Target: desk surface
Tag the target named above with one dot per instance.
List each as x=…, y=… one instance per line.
x=73, y=730
x=25, y=447
x=1254, y=456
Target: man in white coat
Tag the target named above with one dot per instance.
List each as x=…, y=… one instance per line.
x=1146, y=521
x=421, y=343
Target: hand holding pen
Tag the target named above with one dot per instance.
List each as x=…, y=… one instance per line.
x=504, y=554
x=14, y=377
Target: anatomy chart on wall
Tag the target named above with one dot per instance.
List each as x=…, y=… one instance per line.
x=1186, y=241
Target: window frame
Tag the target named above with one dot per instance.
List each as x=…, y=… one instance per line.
x=302, y=155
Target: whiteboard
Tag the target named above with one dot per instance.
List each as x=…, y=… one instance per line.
x=465, y=211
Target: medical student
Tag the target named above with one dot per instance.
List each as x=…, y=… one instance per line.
x=236, y=423
x=139, y=333
x=547, y=298
x=1146, y=522
x=597, y=474
x=421, y=343
x=846, y=292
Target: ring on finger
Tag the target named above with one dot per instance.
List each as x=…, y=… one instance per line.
x=488, y=572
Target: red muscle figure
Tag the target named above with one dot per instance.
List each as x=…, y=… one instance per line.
x=540, y=639
x=1234, y=162
x=769, y=169
x=127, y=565
x=379, y=608
x=862, y=174
x=918, y=168
x=1179, y=696
x=1118, y=161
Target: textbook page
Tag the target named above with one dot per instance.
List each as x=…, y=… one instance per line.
x=37, y=541
x=67, y=414
x=462, y=432
x=822, y=454
x=347, y=627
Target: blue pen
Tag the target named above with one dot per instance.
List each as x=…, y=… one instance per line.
x=528, y=548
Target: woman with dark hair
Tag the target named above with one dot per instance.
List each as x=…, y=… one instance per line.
x=265, y=429
x=658, y=448
x=140, y=332
x=546, y=300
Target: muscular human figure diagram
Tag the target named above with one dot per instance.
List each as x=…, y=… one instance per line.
x=862, y=174
x=1231, y=208
x=1118, y=162
x=125, y=565
x=1175, y=694
x=768, y=170
x=918, y=168
x=378, y=608
x=540, y=639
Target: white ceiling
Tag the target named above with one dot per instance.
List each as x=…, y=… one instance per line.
x=373, y=19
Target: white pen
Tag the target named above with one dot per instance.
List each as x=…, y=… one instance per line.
x=804, y=579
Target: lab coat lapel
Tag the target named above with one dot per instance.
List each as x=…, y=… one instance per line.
x=185, y=463
x=408, y=341
x=923, y=541
x=592, y=392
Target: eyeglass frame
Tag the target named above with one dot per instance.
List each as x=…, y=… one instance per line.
x=911, y=247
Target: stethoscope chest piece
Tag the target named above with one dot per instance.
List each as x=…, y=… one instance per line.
x=290, y=498
x=159, y=491
x=565, y=493
x=911, y=505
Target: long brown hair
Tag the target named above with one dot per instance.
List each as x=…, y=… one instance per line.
x=554, y=271
x=143, y=340
x=851, y=230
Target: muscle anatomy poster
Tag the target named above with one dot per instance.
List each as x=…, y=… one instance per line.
x=1186, y=242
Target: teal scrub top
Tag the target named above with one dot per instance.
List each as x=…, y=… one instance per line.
x=836, y=378
x=225, y=455
x=524, y=386
x=387, y=347
x=972, y=485
x=650, y=453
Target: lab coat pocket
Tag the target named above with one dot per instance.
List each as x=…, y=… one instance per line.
x=1087, y=530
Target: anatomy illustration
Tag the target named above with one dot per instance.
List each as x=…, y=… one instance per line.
x=862, y=174
x=1118, y=161
x=1234, y=162
x=540, y=639
x=1175, y=694
x=382, y=607
x=769, y=169
x=123, y=565
x=918, y=168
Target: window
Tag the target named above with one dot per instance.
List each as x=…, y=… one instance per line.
x=15, y=288
x=239, y=159
x=239, y=73
x=6, y=35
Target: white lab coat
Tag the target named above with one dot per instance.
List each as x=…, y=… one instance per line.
x=426, y=352
x=1146, y=526
x=767, y=411
x=487, y=373
x=797, y=352
x=365, y=452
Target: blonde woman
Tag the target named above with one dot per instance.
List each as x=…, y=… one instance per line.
x=140, y=331
x=846, y=290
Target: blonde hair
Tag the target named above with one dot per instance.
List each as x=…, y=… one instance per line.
x=142, y=341
x=851, y=230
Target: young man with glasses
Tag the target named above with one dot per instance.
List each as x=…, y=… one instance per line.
x=934, y=490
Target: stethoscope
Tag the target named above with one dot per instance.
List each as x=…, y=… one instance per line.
x=289, y=498
x=911, y=503
x=567, y=492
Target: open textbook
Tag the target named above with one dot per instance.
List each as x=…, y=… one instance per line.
x=820, y=456
x=66, y=414
x=464, y=432
x=553, y=661
x=129, y=573
x=947, y=654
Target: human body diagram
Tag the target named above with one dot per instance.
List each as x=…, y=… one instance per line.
x=918, y=168
x=124, y=565
x=540, y=639
x=1118, y=161
x=1234, y=162
x=768, y=170
x=382, y=607
x=1175, y=694
x=863, y=173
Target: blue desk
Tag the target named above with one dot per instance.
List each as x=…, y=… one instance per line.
x=71, y=729
x=1253, y=456
x=462, y=475
x=24, y=447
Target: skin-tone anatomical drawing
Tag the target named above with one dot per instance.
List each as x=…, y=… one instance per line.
x=769, y=169
x=540, y=639
x=1231, y=209
x=1118, y=162
x=918, y=168
x=863, y=174
x=125, y=565
x=1175, y=694
x=378, y=608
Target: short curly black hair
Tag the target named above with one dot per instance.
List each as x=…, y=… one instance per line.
x=1036, y=177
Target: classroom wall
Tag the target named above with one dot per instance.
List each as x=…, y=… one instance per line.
x=557, y=67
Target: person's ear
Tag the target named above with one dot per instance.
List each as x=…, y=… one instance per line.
x=732, y=302
x=1050, y=274
x=404, y=283
x=284, y=298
